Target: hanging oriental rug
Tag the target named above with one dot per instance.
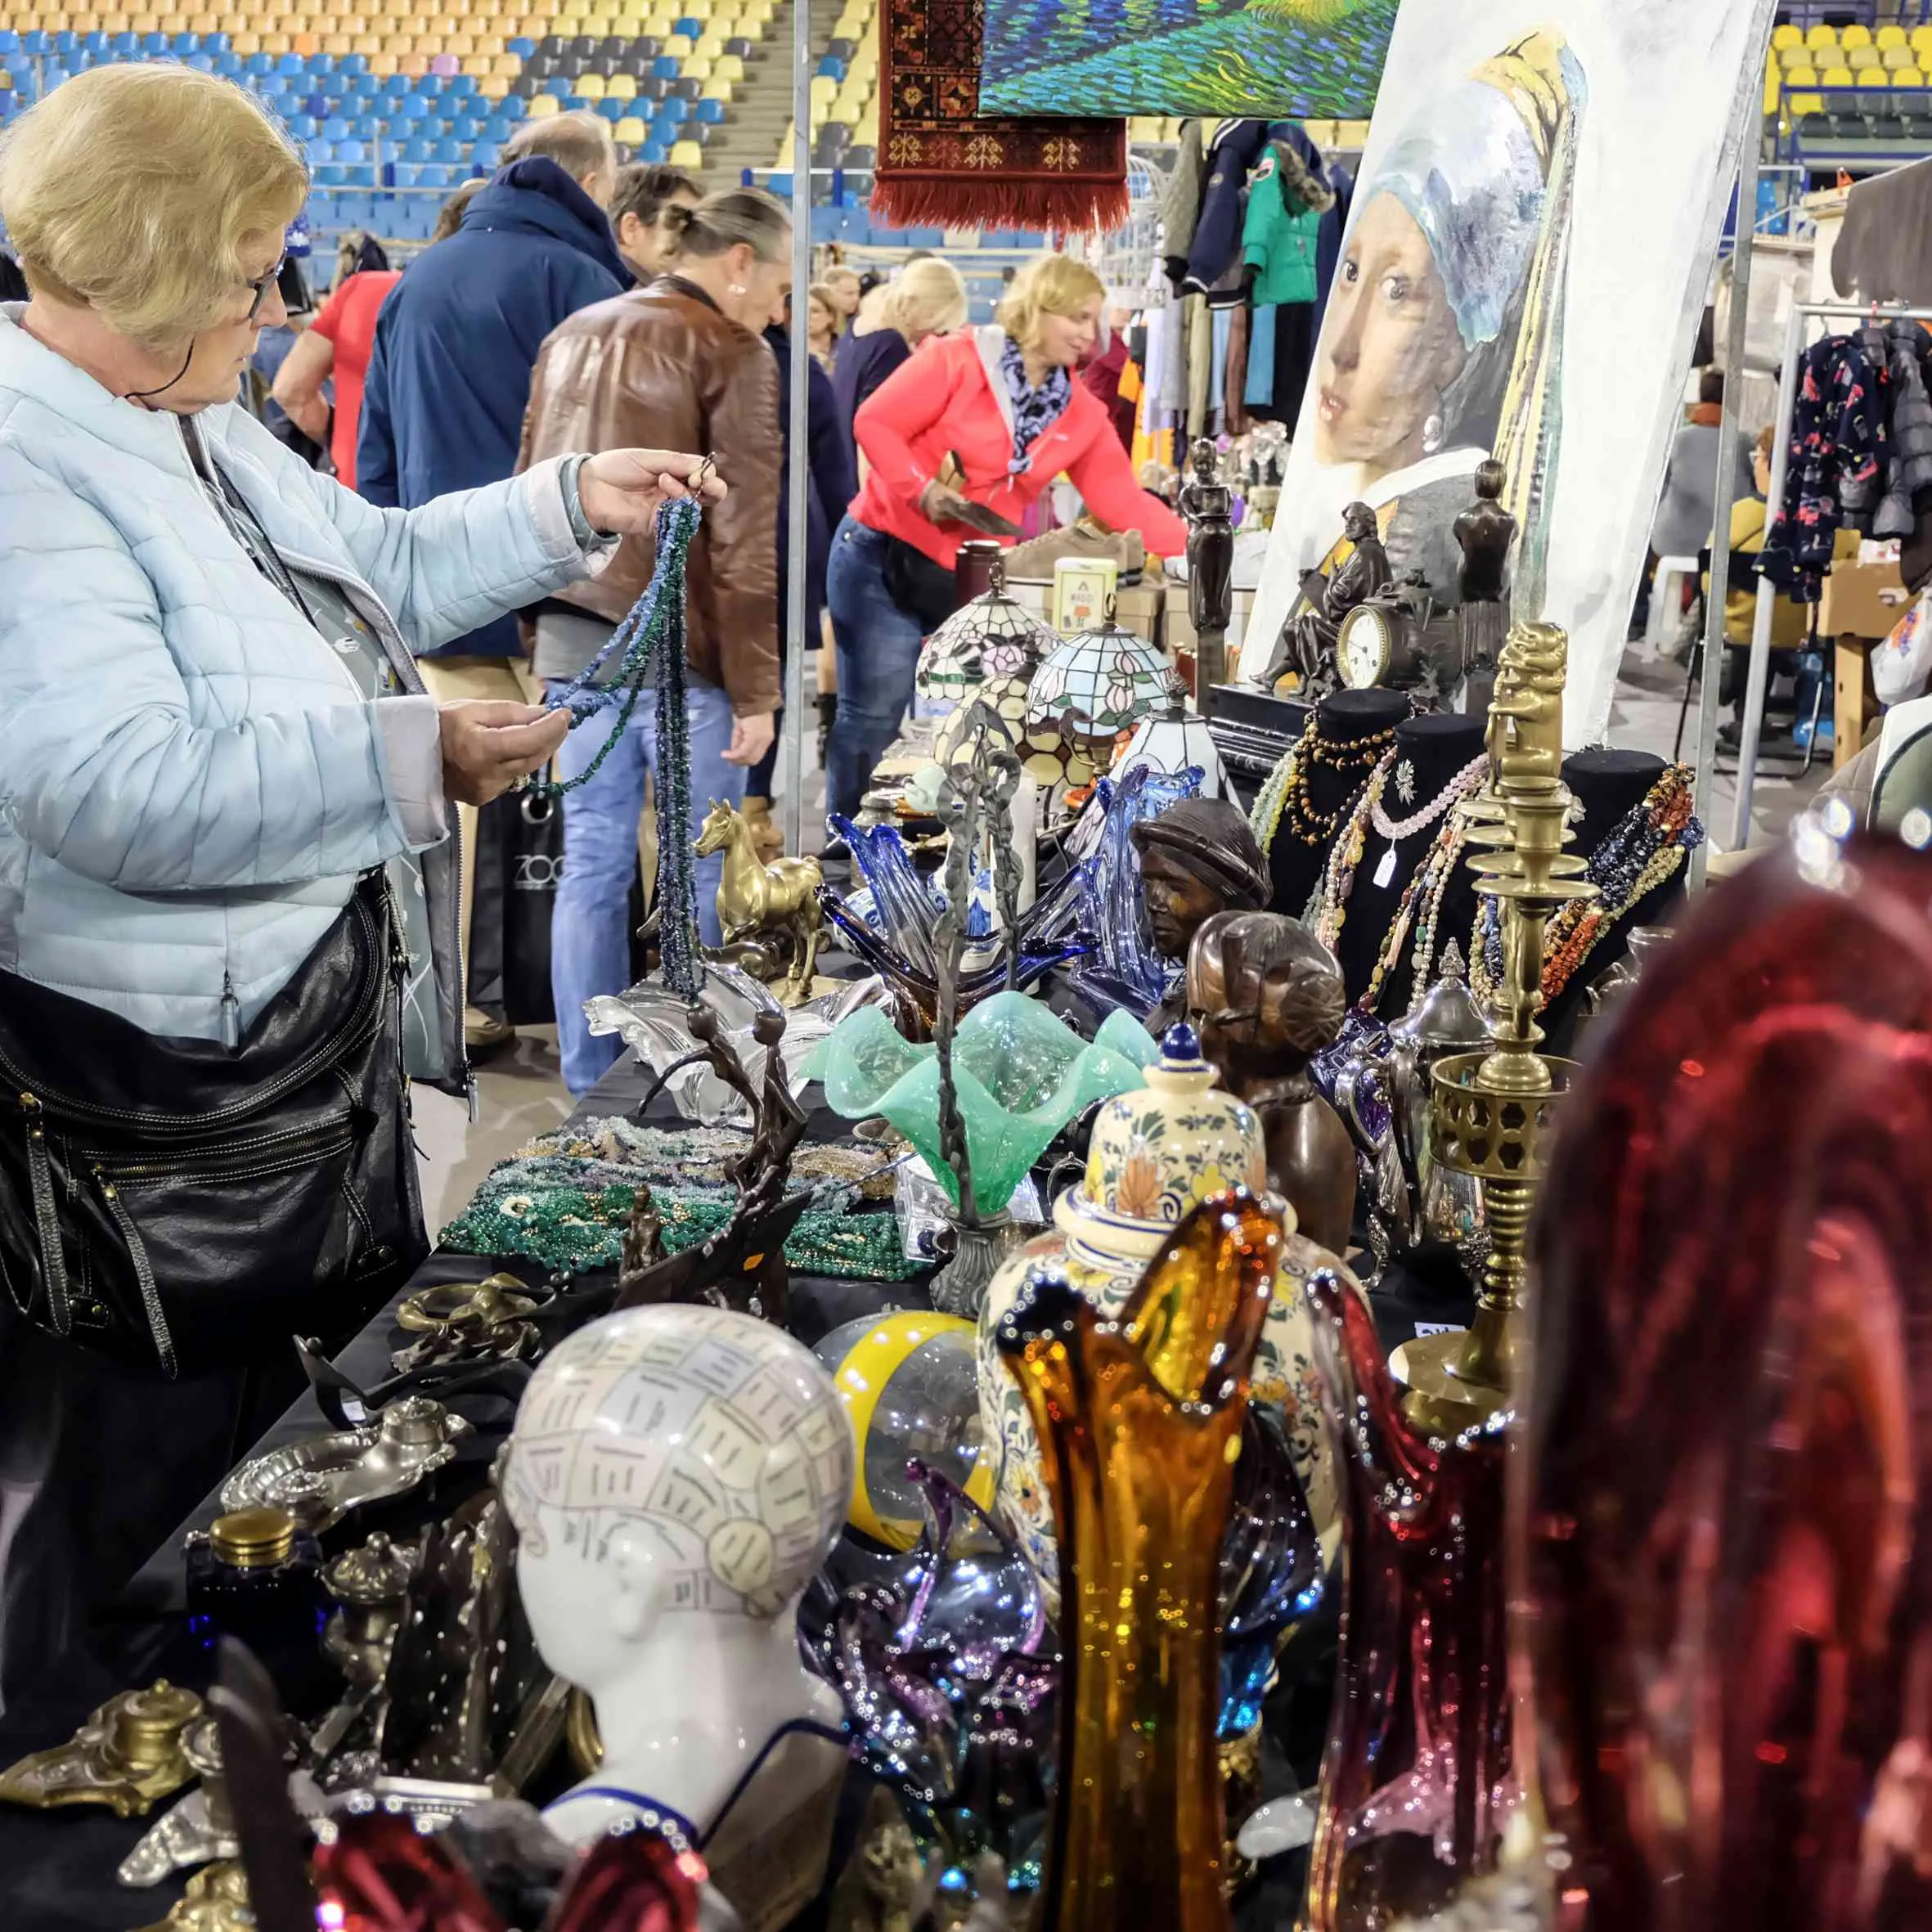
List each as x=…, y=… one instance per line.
x=939, y=165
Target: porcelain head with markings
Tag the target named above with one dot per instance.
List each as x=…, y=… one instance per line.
x=669, y=1461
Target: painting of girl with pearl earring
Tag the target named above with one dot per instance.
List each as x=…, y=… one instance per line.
x=1511, y=287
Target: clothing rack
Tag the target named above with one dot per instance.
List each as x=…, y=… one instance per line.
x=1760, y=678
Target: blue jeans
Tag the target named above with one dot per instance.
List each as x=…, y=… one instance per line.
x=878, y=651
x=590, y=927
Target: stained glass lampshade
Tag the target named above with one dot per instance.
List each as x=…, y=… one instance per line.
x=1097, y=684
x=1175, y=739
x=992, y=637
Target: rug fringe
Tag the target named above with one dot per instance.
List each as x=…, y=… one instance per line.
x=921, y=201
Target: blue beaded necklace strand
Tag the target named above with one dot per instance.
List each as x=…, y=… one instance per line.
x=649, y=645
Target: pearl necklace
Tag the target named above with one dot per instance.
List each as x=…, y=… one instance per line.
x=1395, y=830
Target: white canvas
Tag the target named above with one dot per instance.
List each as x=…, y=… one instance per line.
x=1635, y=105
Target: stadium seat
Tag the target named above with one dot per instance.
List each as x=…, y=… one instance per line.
x=631, y=131
x=686, y=154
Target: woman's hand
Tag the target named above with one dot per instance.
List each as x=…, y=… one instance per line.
x=940, y=503
x=620, y=490
x=750, y=739
x=489, y=743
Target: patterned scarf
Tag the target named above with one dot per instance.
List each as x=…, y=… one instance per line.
x=1034, y=411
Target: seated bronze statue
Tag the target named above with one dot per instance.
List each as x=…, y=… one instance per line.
x=1306, y=645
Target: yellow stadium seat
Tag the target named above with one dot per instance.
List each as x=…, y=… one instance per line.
x=1921, y=38
x=278, y=43
x=382, y=65
x=1820, y=37
x=1861, y=58
x=494, y=87
x=686, y=154
x=710, y=46
x=463, y=46
x=678, y=44
x=1855, y=35
x=1795, y=56
x=660, y=23
x=415, y=65
x=203, y=24
x=542, y=105
x=1891, y=36
x=1786, y=36
x=1895, y=57
x=355, y=25
x=1907, y=77
x=597, y=25
x=1836, y=77
x=568, y=25
x=336, y=45
x=1772, y=72
x=589, y=86
x=632, y=131
x=696, y=10
x=696, y=69
x=621, y=86
x=716, y=90
x=477, y=64
x=728, y=67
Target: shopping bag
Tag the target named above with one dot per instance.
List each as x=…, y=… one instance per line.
x=1902, y=666
x=519, y=863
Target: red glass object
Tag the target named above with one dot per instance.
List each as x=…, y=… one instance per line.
x=1724, y=1502
x=377, y=1873
x=1417, y=1779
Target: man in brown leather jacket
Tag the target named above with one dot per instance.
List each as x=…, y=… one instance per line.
x=683, y=353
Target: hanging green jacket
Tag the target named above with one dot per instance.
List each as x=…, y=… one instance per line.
x=1278, y=239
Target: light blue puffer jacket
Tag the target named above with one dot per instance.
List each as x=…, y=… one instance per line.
x=190, y=781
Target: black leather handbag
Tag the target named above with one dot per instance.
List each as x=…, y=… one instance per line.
x=182, y=1203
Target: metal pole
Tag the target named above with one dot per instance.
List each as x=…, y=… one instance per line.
x=1727, y=492
x=1757, y=678
x=791, y=755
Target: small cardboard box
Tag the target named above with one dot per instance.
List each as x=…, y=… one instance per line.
x=1083, y=588
x=1862, y=600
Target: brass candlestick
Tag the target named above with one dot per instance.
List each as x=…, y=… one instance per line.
x=1491, y=1109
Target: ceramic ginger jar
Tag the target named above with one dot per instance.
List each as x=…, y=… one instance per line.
x=1155, y=1152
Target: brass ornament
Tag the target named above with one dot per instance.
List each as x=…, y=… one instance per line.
x=776, y=904
x=217, y=1901
x=128, y=1755
x=1492, y=1108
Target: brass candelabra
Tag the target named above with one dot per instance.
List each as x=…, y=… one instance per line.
x=1492, y=1109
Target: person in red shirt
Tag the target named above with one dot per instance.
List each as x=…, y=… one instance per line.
x=997, y=413
x=336, y=344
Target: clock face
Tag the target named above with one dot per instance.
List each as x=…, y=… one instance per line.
x=1362, y=647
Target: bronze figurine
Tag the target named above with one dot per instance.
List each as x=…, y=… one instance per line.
x=1485, y=531
x=1306, y=645
x=1267, y=996
x=1208, y=504
x=777, y=904
x=1196, y=859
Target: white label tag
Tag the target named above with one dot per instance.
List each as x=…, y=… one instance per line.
x=1386, y=871
x=1422, y=1328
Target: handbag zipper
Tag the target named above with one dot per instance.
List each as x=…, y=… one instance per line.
x=368, y=1012
x=46, y=1222
x=288, y=1148
x=150, y=1299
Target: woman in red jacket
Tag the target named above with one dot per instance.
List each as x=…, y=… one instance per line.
x=997, y=411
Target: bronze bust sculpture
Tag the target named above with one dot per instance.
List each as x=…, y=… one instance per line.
x=1196, y=859
x=1307, y=643
x=1267, y=996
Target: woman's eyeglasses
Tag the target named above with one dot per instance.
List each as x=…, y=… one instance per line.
x=261, y=287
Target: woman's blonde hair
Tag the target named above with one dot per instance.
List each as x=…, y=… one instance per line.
x=1049, y=285
x=925, y=298
x=131, y=189
x=721, y=221
x=820, y=293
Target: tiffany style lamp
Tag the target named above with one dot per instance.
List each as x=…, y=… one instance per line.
x=989, y=639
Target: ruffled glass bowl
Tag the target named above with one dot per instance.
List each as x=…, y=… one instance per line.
x=1021, y=1072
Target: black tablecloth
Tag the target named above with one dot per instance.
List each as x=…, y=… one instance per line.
x=58, y=1866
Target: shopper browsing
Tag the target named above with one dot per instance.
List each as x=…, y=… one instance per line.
x=682, y=359
x=926, y=298
x=444, y=400
x=646, y=216
x=226, y=888
x=335, y=349
x=973, y=424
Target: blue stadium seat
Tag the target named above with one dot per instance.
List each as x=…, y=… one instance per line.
x=666, y=67
x=316, y=64
x=713, y=112
x=128, y=45
x=466, y=127
x=202, y=63
x=273, y=86
x=303, y=127
x=673, y=111
x=319, y=150
x=351, y=151
x=514, y=108
x=693, y=30
x=432, y=85
x=451, y=153
x=654, y=152
x=487, y=157
x=396, y=87
x=459, y=84
x=404, y=176
x=365, y=86
x=521, y=45
x=367, y=126
x=184, y=44
x=779, y=185
x=10, y=41
x=560, y=85
x=613, y=110
x=438, y=176
x=290, y=64
x=360, y=174
x=35, y=41
x=832, y=67
x=328, y=175
x=260, y=64
x=415, y=108
x=336, y=127
x=418, y=152
x=355, y=64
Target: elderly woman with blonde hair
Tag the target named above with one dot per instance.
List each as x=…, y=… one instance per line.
x=976, y=423
x=227, y=910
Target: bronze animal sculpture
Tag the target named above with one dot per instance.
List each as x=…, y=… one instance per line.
x=756, y=901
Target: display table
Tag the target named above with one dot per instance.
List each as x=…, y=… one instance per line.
x=59, y=1865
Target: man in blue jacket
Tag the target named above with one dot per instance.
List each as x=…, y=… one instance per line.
x=443, y=409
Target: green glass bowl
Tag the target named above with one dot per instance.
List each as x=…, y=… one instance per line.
x=1021, y=1072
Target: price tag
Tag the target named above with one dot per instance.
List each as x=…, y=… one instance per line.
x=1385, y=871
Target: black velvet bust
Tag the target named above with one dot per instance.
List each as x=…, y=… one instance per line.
x=1342, y=721
x=1435, y=746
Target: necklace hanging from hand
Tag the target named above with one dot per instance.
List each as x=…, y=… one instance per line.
x=650, y=646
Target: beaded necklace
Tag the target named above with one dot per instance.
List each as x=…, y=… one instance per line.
x=1329, y=910
x=650, y=642
x=1422, y=896
x=1643, y=849
x=1288, y=789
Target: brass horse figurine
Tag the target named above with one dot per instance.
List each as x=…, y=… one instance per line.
x=776, y=902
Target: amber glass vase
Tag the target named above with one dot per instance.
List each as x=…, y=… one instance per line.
x=1140, y=1415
